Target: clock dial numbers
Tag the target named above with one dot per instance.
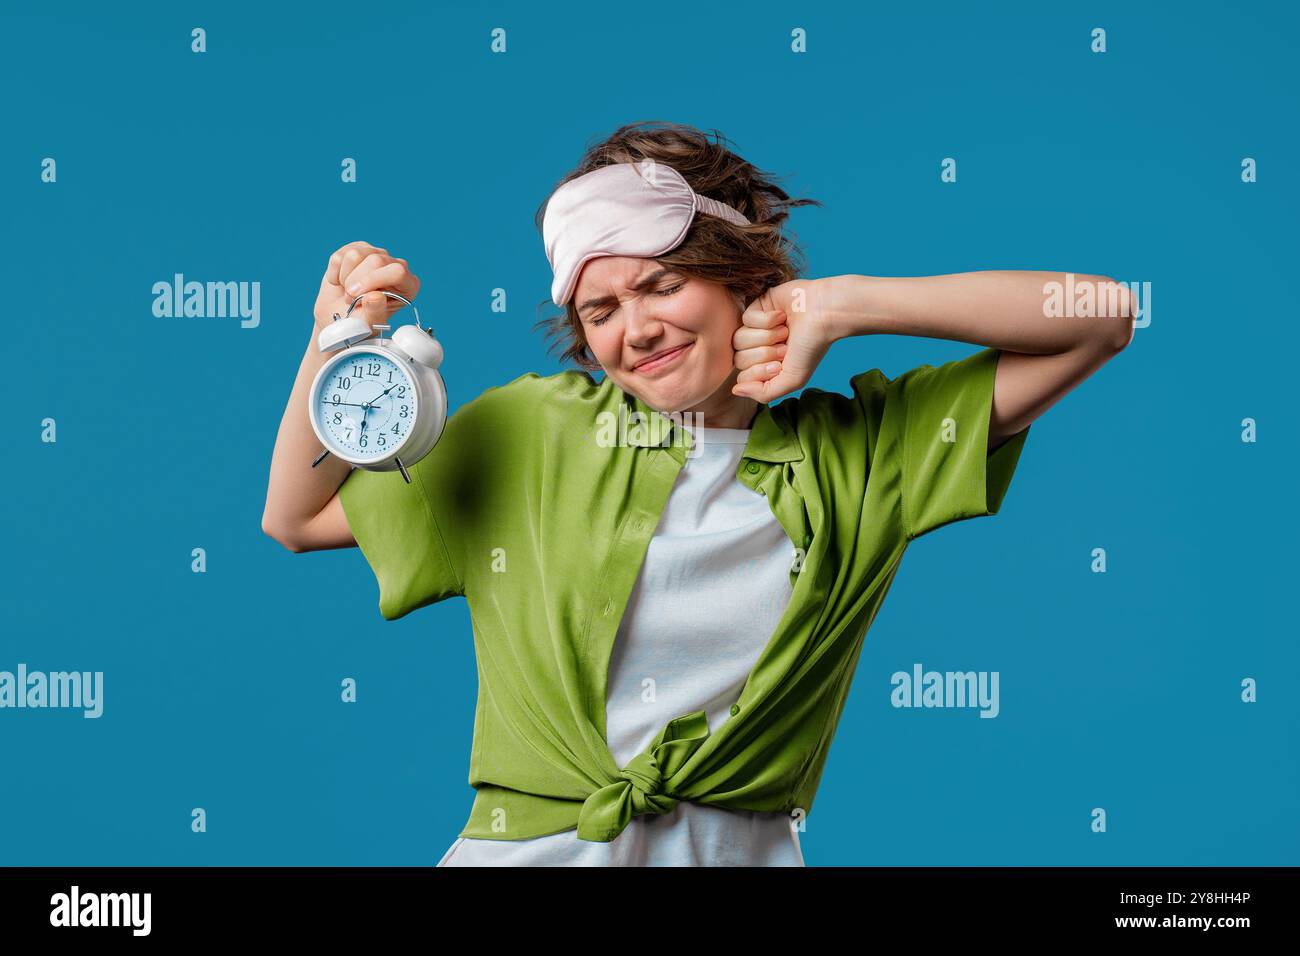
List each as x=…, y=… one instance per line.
x=366, y=404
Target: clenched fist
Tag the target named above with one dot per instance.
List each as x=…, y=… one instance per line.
x=359, y=268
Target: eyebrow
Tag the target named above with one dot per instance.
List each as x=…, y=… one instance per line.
x=639, y=286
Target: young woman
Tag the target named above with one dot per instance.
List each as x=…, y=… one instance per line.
x=670, y=577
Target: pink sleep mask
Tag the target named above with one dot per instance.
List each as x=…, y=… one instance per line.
x=625, y=209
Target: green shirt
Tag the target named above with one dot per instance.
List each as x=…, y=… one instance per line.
x=531, y=509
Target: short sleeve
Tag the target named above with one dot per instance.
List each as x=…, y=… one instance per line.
x=404, y=530
x=947, y=471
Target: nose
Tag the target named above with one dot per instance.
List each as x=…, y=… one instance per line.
x=642, y=324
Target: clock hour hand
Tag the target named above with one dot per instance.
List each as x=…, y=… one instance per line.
x=381, y=395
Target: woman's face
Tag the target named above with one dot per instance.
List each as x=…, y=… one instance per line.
x=633, y=310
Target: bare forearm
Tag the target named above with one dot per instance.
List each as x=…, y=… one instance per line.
x=1013, y=311
x=296, y=492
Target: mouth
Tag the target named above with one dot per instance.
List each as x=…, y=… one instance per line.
x=663, y=360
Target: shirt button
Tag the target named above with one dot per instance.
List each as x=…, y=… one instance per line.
x=609, y=608
x=752, y=468
x=735, y=709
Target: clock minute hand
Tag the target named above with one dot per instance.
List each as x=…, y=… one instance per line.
x=363, y=420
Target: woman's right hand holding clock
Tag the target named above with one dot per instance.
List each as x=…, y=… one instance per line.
x=358, y=268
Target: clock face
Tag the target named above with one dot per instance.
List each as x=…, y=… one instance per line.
x=366, y=404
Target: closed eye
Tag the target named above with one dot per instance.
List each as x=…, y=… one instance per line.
x=664, y=292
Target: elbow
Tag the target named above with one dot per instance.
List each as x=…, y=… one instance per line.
x=280, y=535
x=1118, y=315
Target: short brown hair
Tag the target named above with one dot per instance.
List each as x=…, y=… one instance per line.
x=748, y=260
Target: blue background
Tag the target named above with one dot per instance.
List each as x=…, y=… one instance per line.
x=1118, y=690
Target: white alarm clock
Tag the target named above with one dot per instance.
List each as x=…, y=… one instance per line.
x=379, y=404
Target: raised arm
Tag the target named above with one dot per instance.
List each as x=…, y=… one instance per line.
x=302, y=510
x=1045, y=353
x=1049, y=342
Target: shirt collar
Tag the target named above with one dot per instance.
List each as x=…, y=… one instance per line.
x=770, y=438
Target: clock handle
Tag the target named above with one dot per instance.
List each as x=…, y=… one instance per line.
x=391, y=295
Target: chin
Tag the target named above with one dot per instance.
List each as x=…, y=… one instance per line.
x=678, y=396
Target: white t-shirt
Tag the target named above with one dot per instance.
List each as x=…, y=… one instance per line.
x=713, y=587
